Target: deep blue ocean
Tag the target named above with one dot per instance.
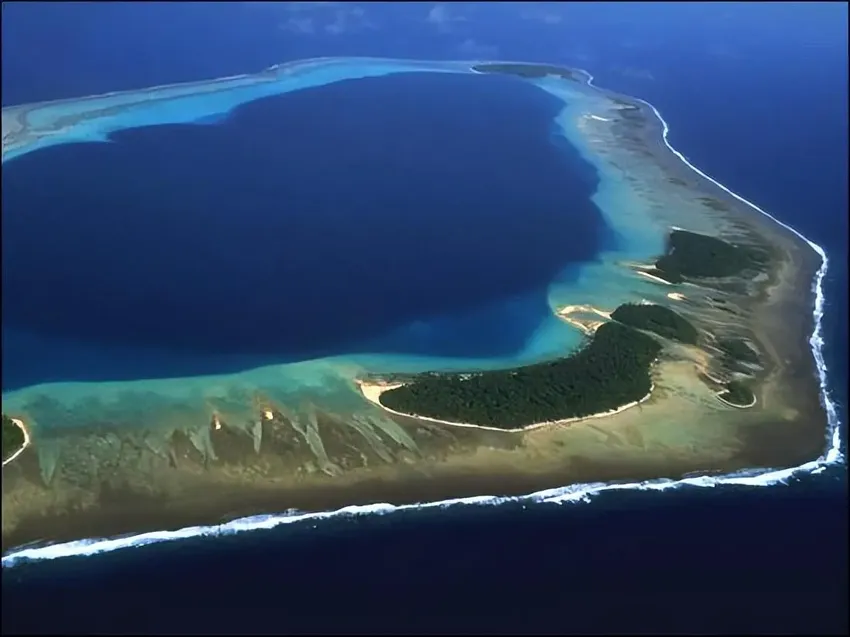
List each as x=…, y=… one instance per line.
x=215, y=248
x=755, y=95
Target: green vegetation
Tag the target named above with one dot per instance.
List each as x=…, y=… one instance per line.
x=633, y=115
x=738, y=350
x=627, y=105
x=13, y=437
x=737, y=393
x=698, y=255
x=528, y=70
x=613, y=369
x=658, y=319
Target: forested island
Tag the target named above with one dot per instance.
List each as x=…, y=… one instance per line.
x=657, y=319
x=692, y=255
x=527, y=70
x=13, y=438
x=738, y=394
x=611, y=370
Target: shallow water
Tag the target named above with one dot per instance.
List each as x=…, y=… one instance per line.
x=628, y=559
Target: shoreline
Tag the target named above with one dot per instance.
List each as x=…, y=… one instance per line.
x=726, y=402
x=586, y=327
x=193, y=512
x=831, y=452
x=372, y=392
x=653, y=278
x=27, y=440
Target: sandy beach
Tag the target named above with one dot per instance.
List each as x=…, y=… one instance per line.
x=20, y=425
x=372, y=392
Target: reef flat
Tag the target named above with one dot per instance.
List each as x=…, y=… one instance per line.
x=113, y=458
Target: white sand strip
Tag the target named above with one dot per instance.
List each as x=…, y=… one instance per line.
x=26, y=444
x=372, y=392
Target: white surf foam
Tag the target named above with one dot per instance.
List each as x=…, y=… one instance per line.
x=579, y=493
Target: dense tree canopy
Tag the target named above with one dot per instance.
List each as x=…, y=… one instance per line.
x=658, y=319
x=699, y=256
x=613, y=369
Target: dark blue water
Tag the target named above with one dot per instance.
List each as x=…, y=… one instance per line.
x=755, y=94
x=304, y=224
x=626, y=563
